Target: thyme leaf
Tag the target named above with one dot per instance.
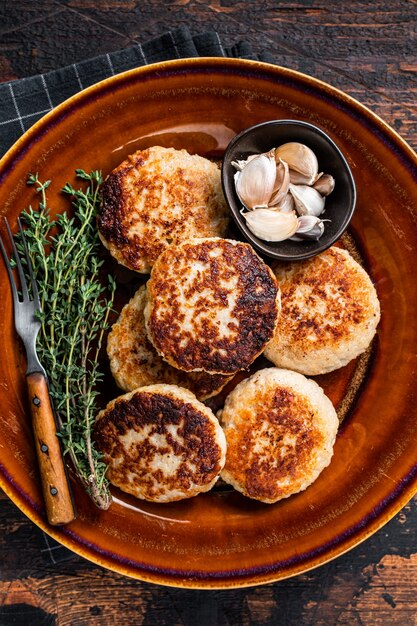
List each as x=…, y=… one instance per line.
x=65, y=254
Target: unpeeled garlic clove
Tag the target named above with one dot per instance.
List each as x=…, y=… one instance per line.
x=325, y=184
x=255, y=182
x=309, y=227
x=240, y=164
x=282, y=183
x=307, y=200
x=271, y=225
x=299, y=179
x=300, y=158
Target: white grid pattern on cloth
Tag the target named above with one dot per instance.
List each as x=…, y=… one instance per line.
x=19, y=117
x=174, y=43
x=143, y=55
x=220, y=44
x=48, y=95
x=24, y=117
x=108, y=57
x=55, y=552
x=77, y=76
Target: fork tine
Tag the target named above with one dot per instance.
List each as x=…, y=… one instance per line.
x=29, y=265
x=18, y=263
x=9, y=272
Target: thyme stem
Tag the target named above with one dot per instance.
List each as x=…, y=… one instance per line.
x=65, y=254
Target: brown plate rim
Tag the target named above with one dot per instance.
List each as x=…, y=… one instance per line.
x=405, y=488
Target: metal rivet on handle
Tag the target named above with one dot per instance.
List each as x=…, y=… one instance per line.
x=44, y=447
x=54, y=491
x=36, y=401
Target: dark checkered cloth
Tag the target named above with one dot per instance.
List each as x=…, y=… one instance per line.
x=23, y=102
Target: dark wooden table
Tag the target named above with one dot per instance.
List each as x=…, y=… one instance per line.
x=368, y=49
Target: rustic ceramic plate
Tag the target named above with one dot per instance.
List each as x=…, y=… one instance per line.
x=222, y=539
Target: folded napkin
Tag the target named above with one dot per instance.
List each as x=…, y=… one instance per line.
x=23, y=102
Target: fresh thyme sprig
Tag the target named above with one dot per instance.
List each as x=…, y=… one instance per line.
x=65, y=254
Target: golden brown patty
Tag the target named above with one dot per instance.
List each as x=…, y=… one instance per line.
x=330, y=311
x=159, y=196
x=134, y=362
x=160, y=443
x=213, y=305
x=280, y=430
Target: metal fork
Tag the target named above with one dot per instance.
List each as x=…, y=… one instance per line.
x=55, y=484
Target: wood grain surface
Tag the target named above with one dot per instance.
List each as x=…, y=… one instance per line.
x=368, y=49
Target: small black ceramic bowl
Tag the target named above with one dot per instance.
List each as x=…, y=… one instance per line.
x=340, y=204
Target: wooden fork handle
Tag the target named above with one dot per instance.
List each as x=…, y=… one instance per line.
x=55, y=486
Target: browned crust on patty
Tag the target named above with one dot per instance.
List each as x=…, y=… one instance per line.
x=155, y=197
x=230, y=280
x=315, y=277
x=278, y=437
x=134, y=362
x=112, y=208
x=286, y=414
x=330, y=311
x=195, y=444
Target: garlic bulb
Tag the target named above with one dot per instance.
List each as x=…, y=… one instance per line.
x=301, y=159
x=255, y=182
x=271, y=225
x=307, y=200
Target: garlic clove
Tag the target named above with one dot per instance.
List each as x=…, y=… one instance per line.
x=300, y=158
x=307, y=222
x=271, y=225
x=255, y=182
x=309, y=227
x=299, y=179
x=282, y=183
x=307, y=200
x=240, y=164
x=286, y=205
x=325, y=184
